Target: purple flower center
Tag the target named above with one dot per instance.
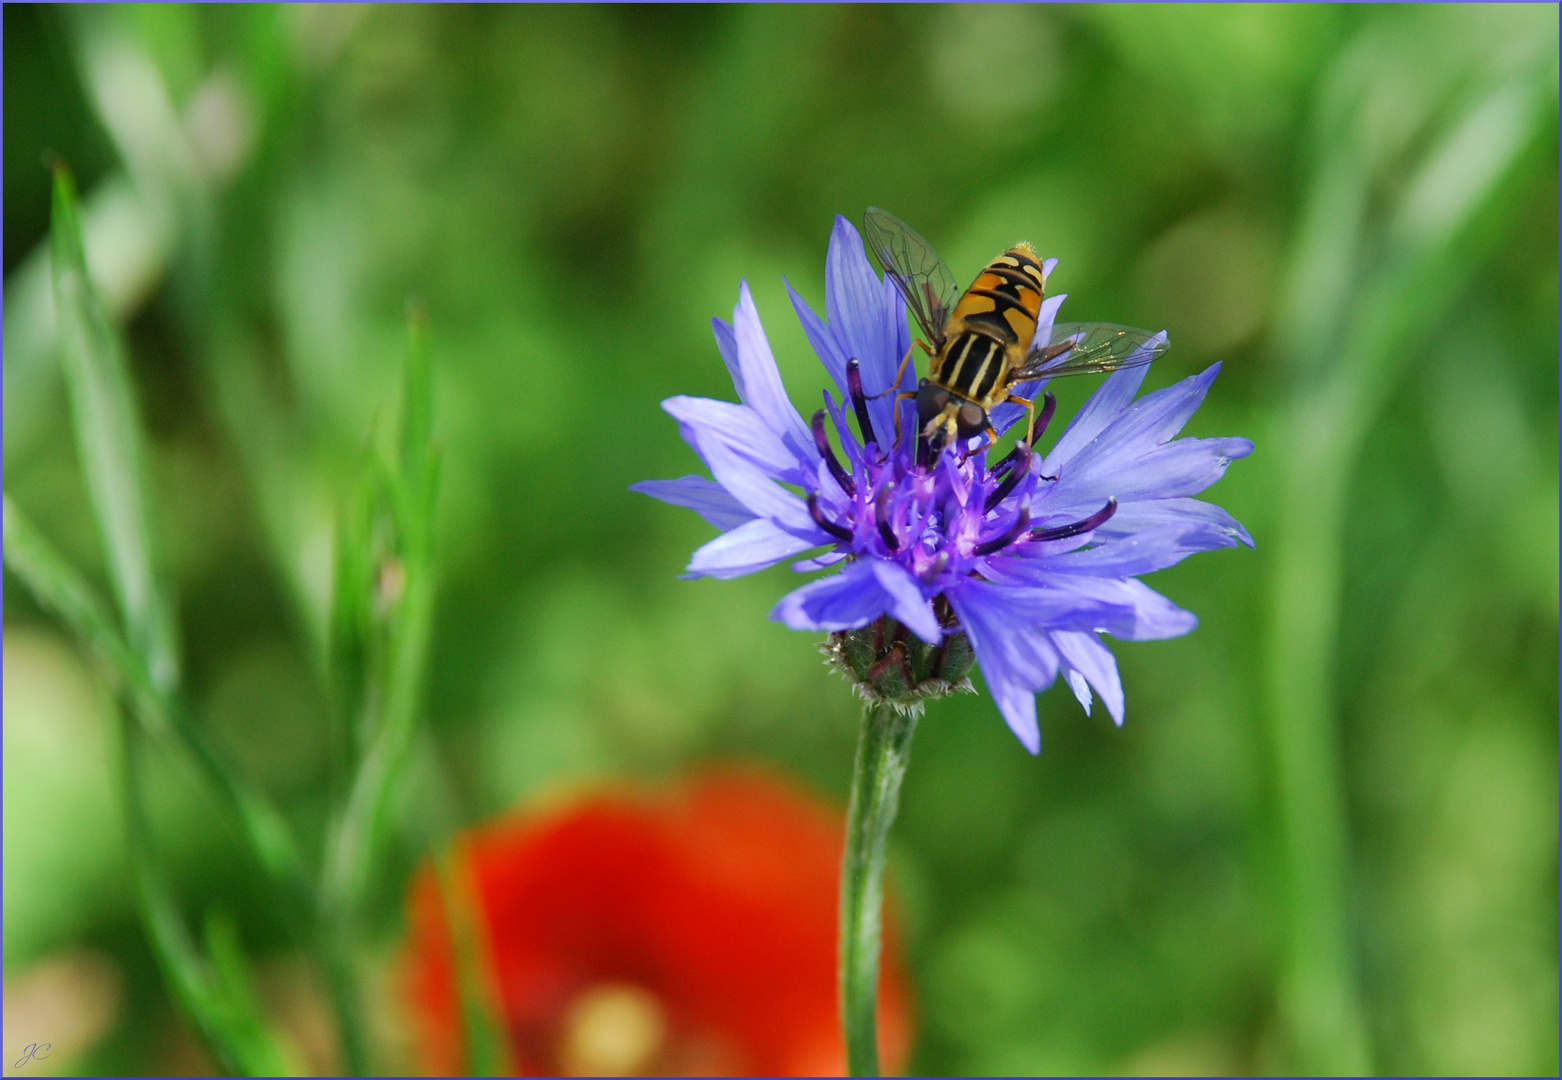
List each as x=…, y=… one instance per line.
x=941, y=519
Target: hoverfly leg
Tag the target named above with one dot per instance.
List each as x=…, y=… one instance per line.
x=898, y=399
x=1030, y=413
x=900, y=373
x=989, y=438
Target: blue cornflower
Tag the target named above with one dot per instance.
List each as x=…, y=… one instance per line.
x=1030, y=559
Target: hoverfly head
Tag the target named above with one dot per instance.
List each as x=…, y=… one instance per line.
x=932, y=402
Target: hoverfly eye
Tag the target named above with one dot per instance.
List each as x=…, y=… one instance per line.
x=931, y=401
x=972, y=417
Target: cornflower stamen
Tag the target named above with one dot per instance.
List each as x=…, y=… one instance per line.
x=1018, y=467
x=881, y=517
x=859, y=400
x=815, y=511
x=1008, y=536
x=826, y=451
x=1049, y=405
x=1084, y=525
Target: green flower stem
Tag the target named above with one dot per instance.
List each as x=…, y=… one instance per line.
x=883, y=751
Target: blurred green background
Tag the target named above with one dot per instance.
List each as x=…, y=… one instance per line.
x=1326, y=838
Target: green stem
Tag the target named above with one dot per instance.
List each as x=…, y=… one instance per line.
x=334, y=947
x=883, y=751
x=218, y=997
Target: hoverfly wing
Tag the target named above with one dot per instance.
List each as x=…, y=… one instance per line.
x=921, y=276
x=1086, y=348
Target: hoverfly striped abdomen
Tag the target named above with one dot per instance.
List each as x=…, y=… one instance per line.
x=1005, y=296
x=991, y=326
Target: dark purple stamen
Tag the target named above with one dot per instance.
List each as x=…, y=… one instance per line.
x=1049, y=405
x=1022, y=458
x=859, y=400
x=840, y=532
x=822, y=441
x=1007, y=537
x=1063, y=532
x=881, y=515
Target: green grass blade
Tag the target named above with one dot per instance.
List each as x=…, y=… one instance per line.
x=417, y=416
x=109, y=440
x=61, y=590
x=350, y=637
x=232, y=1027
x=382, y=618
x=234, y=987
x=405, y=611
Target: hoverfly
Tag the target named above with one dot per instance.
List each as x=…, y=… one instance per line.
x=980, y=341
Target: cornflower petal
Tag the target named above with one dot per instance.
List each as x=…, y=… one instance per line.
x=1213, y=526
x=757, y=490
x=822, y=338
x=705, y=497
x=750, y=547
x=738, y=427
x=762, y=389
x=821, y=562
x=1142, y=552
x=846, y=601
x=1176, y=469
x=727, y=343
x=1092, y=663
x=854, y=306
x=1131, y=610
x=908, y=603
x=1110, y=399
x=899, y=332
x=849, y=441
x=1016, y=661
x=1148, y=423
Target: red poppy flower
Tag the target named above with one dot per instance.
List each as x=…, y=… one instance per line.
x=690, y=932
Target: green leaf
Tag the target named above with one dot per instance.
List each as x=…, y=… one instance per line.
x=417, y=409
x=396, y=592
x=212, y=995
x=351, y=630
x=233, y=986
x=109, y=440
x=62, y=591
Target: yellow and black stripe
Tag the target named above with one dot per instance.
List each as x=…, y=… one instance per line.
x=992, y=322
x=972, y=365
